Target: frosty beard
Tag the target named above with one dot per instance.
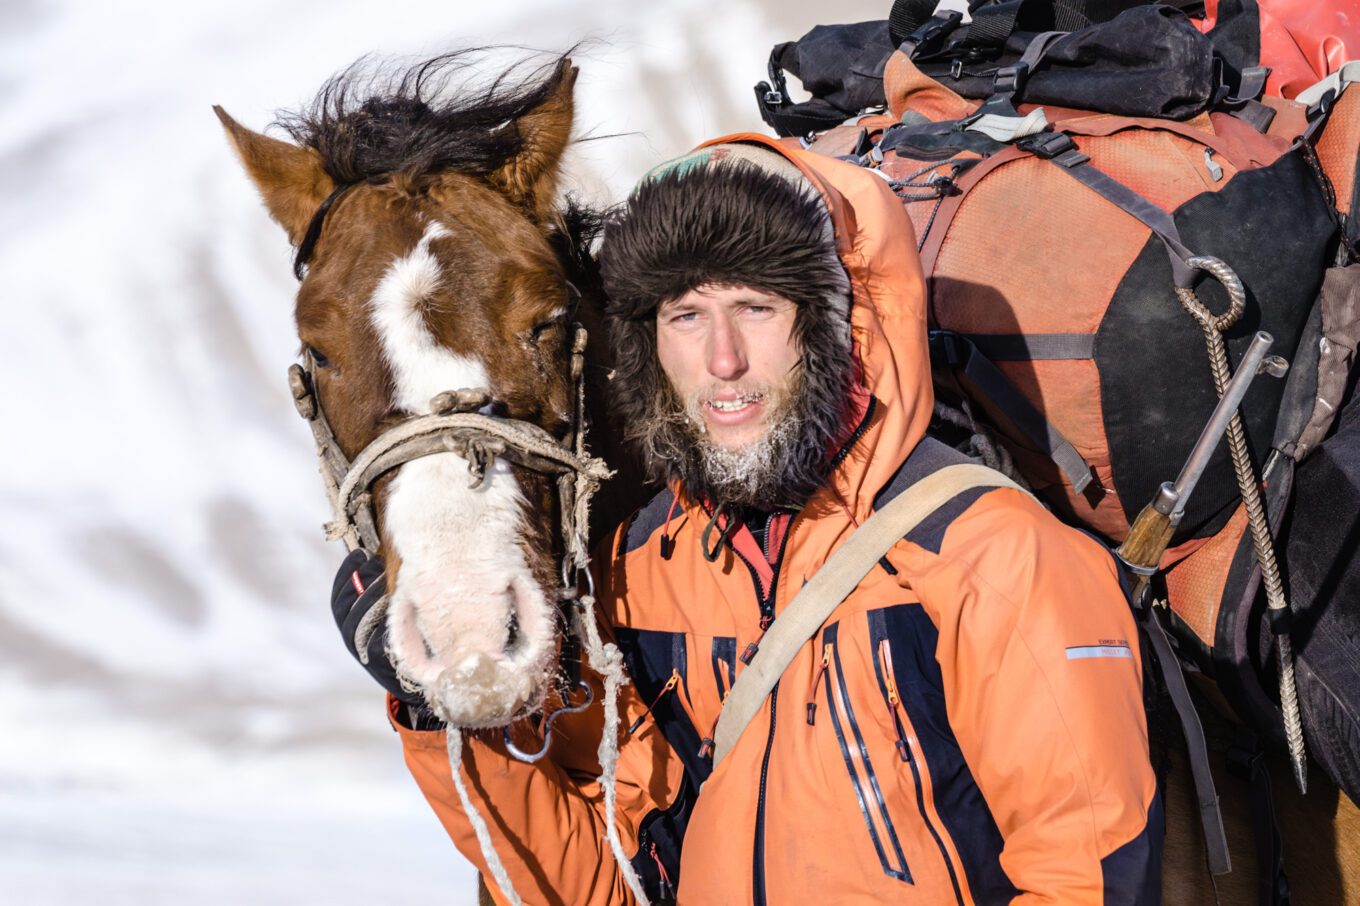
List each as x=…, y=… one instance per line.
x=763, y=474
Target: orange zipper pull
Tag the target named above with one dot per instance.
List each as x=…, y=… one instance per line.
x=665, y=877
x=894, y=700
x=816, y=683
x=671, y=683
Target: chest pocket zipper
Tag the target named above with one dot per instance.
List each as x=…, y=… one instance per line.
x=908, y=748
x=855, y=753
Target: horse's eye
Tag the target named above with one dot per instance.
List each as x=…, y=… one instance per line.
x=318, y=358
x=548, y=328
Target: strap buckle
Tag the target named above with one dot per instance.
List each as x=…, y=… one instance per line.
x=1009, y=79
x=1050, y=145
x=929, y=36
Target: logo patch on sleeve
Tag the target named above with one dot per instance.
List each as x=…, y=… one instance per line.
x=1117, y=648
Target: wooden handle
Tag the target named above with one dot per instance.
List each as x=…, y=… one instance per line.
x=1148, y=539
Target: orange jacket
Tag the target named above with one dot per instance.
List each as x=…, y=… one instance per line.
x=966, y=727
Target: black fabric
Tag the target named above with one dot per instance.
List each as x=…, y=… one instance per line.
x=1246, y=759
x=937, y=141
x=1322, y=537
x=926, y=458
x=1147, y=61
x=1122, y=56
x=1034, y=347
x=660, y=837
x=1236, y=38
x=1155, y=385
x=650, y=657
x=840, y=65
x=348, y=607
x=1132, y=874
x=1211, y=816
x=913, y=641
x=646, y=521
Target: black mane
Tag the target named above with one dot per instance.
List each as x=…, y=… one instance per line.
x=373, y=119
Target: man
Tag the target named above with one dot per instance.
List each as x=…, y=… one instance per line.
x=937, y=740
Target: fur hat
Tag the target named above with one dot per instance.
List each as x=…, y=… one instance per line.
x=734, y=215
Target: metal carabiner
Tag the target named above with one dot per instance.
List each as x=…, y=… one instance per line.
x=566, y=708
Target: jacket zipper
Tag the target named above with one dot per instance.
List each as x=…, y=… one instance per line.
x=887, y=684
x=766, y=618
x=835, y=682
x=665, y=884
x=816, y=681
x=671, y=683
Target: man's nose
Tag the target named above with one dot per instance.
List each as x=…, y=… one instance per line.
x=726, y=351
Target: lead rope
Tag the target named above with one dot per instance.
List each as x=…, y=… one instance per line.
x=453, y=738
x=1261, y=540
x=605, y=659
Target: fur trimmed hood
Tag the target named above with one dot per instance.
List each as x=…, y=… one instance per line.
x=843, y=248
x=739, y=216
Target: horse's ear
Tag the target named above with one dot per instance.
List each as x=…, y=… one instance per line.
x=291, y=180
x=530, y=177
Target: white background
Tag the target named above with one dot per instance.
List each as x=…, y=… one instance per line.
x=179, y=721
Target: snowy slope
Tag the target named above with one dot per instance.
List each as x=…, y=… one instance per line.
x=178, y=721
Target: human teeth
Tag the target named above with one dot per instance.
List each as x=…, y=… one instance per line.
x=732, y=405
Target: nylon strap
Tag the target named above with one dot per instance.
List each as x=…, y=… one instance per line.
x=1210, y=816
x=1078, y=166
x=833, y=583
x=986, y=380
x=1035, y=347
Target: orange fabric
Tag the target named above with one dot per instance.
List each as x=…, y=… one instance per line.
x=1056, y=745
x=1337, y=144
x=907, y=88
x=1195, y=585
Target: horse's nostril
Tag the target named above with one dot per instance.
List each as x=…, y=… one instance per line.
x=512, y=638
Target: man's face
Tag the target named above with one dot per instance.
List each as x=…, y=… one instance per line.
x=730, y=355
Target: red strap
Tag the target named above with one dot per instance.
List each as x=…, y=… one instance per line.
x=357, y=582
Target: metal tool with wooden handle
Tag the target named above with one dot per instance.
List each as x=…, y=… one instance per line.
x=1151, y=532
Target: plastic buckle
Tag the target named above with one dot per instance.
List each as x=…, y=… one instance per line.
x=1047, y=145
x=948, y=343
x=774, y=98
x=1008, y=79
x=932, y=33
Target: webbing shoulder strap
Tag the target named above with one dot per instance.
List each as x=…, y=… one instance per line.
x=832, y=584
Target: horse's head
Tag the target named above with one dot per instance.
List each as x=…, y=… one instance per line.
x=428, y=228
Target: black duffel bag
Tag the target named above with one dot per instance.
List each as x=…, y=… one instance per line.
x=1125, y=57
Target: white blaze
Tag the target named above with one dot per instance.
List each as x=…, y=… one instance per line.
x=462, y=569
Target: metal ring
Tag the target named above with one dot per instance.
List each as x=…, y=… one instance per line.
x=1227, y=277
x=530, y=758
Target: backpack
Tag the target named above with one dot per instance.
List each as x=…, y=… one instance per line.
x=1053, y=238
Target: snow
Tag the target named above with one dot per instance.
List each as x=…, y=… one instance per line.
x=179, y=720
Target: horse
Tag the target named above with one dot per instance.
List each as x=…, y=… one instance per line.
x=435, y=256
x=1319, y=831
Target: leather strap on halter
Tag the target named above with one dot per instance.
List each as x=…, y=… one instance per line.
x=451, y=428
x=309, y=239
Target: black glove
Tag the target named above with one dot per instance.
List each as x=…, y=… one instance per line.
x=361, y=583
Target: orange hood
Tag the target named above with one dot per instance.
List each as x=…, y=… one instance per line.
x=877, y=244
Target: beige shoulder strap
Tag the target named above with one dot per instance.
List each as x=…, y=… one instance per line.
x=832, y=584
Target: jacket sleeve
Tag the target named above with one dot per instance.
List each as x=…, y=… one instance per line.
x=1040, y=660
x=547, y=819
